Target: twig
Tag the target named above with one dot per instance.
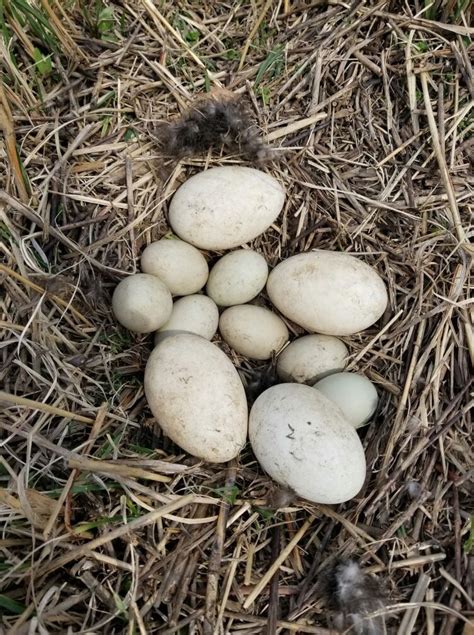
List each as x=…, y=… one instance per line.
x=248, y=41
x=455, y=216
x=273, y=606
x=16, y=400
x=212, y=589
x=40, y=289
x=297, y=125
x=277, y=563
x=97, y=425
x=134, y=525
x=408, y=622
x=35, y=218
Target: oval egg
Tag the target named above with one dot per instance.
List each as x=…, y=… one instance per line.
x=196, y=314
x=253, y=331
x=328, y=292
x=310, y=358
x=237, y=277
x=142, y=303
x=354, y=394
x=197, y=397
x=224, y=207
x=302, y=441
x=180, y=266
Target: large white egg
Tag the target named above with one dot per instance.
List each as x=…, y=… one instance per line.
x=303, y=442
x=253, y=331
x=354, y=394
x=237, y=277
x=180, y=266
x=311, y=357
x=197, y=397
x=196, y=314
x=142, y=303
x=328, y=292
x=225, y=207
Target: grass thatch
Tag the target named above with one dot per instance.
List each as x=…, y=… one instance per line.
x=109, y=528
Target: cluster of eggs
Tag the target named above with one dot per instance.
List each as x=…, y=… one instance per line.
x=303, y=430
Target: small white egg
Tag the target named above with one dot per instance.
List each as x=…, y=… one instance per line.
x=310, y=358
x=253, y=331
x=180, y=266
x=196, y=314
x=354, y=394
x=303, y=442
x=237, y=277
x=142, y=303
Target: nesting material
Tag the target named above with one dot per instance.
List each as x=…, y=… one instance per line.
x=355, y=596
x=219, y=121
x=365, y=179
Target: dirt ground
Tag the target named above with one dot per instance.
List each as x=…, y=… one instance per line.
x=107, y=527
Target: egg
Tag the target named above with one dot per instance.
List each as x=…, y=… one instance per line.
x=196, y=314
x=237, y=277
x=301, y=439
x=253, y=331
x=310, y=357
x=180, y=266
x=328, y=292
x=197, y=397
x=354, y=394
x=224, y=207
x=142, y=303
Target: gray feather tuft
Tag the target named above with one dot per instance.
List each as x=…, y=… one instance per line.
x=356, y=596
x=218, y=121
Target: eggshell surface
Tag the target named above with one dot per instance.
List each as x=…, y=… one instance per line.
x=224, y=207
x=253, y=331
x=142, y=303
x=302, y=441
x=180, y=266
x=328, y=292
x=197, y=397
x=237, y=277
x=196, y=314
x=311, y=357
x=354, y=394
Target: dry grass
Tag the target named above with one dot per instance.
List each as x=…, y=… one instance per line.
x=108, y=527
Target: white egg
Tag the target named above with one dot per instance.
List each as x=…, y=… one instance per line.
x=311, y=357
x=328, y=292
x=237, y=277
x=197, y=397
x=180, y=266
x=253, y=331
x=225, y=207
x=196, y=314
x=142, y=303
x=303, y=442
x=354, y=394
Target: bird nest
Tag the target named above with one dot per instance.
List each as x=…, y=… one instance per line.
x=366, y=110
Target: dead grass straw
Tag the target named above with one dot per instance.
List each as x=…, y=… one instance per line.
x=106, y=526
